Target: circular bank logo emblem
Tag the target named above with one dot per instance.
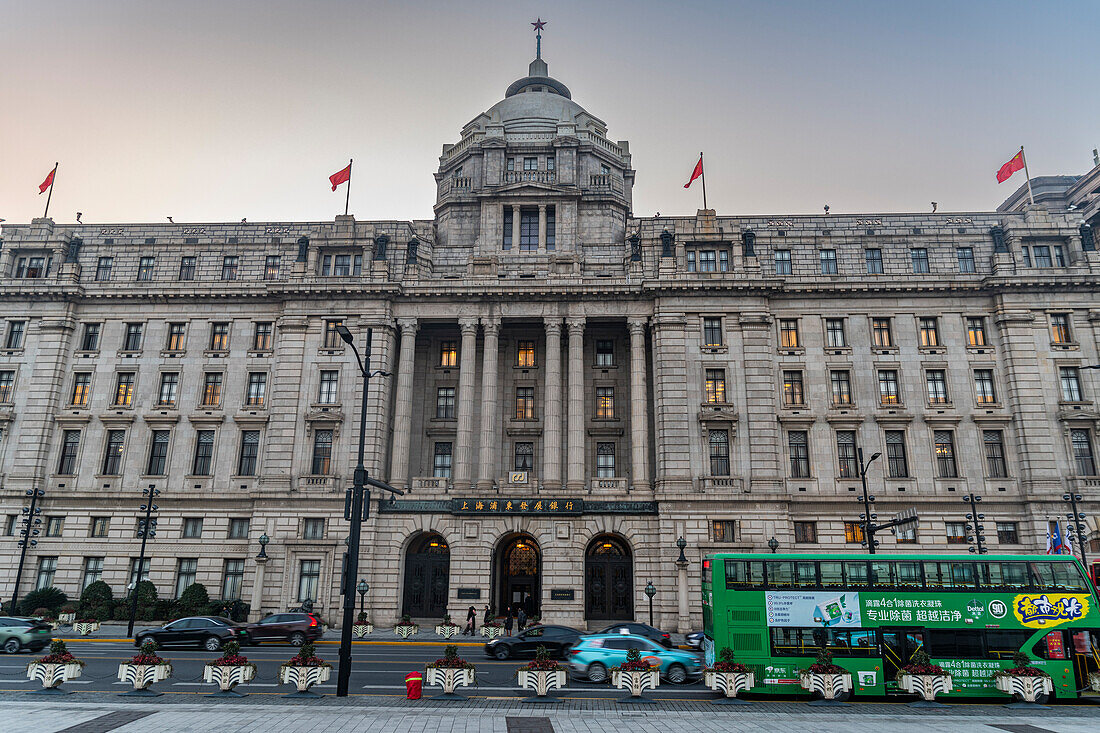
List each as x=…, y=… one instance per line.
x=975, y=608
x=998, y=609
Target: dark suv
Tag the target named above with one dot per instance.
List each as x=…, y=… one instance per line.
x=207, y=632
x=661, y=637
x=293, y=628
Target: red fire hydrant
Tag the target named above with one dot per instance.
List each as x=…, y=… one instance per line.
x=413, y=683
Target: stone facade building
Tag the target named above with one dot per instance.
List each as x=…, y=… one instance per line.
x=572, y=388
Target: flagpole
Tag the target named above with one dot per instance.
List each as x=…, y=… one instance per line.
x=703, y=175
x=347, y=200
x=53, y=179
x=1023, y=158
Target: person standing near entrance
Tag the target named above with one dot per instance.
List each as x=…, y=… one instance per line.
x=507, y=620
x=529, y=605
x=471, y=622
x=522, y=616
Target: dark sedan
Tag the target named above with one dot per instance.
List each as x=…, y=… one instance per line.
x=661, y=637
x=205, y=632
x=293, y=628
x=556, y=639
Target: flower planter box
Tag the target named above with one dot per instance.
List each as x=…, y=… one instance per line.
x=361, y=630
x=85, y=628
x=142, y=676
x=448, y=630
x=729, y=683
x=52, y=675
x=636, y=682
x=227, y=676
x=449, y=678
x=926, y=685
x=1027, y=689
x=303, y=678
x=66, y=618
x=406, y=630
x=541, y=681
x=831, y=687
x=492, y=632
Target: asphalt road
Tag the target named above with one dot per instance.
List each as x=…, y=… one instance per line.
x=378, y=669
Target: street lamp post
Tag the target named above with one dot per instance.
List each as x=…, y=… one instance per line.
x=682, y=544
x=27, y=535
x=650, y=591
x=146, y=528
x=363, y=587
x=869, y=528
x=972, y=521
x=773, y=545
x=1076, y=517
x=262, y=554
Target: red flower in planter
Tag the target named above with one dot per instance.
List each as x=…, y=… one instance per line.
x=59, y=654
x=148, y=654
x=451, y=660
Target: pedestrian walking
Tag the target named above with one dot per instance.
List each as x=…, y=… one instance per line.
x=488, y=615
x=522, y=618
x=471, y=622
x=507, y=620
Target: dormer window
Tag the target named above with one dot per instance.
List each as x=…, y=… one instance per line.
x=32, y=267
x=708, y=260
x=342, y=265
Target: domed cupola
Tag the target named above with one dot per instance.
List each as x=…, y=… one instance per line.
x=538, y=76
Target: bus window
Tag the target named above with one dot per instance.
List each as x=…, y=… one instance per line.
x=909, y=575
x=853, y=643
x=1001, y=644
x=832, y=575
x=855, y=573
x=780, y=574
x=1005, y=576
x=794, y=642
x=1058, y=576
x=955, y=643
x=744, y=574
x=934, y=574
x=807, y=574
x=882, y=573
x=1051, y=646
x=963, y=575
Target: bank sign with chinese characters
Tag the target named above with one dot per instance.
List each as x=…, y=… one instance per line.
x=520, y=505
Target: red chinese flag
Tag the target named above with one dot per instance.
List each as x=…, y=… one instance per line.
x=47, y=183
x=1016, y=164
x=340, y=177
x=695, y=173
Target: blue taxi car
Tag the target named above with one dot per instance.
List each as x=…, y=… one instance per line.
x=592, y=656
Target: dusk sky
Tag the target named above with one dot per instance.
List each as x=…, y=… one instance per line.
x=214, y=110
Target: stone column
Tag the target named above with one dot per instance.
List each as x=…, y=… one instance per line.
x=489, y=437
x=255, y=610
x=542, y=227
x=639, y=402
x=402, y=410
x=551, y=443
x=515, y=226
x=575, y=478
x=464, y=435
x=683, y=620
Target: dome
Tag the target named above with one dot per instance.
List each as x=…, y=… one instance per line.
x=534, y=111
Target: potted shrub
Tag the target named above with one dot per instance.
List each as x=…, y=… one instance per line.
x=450, y=672
x=831, y=681
x=635, y=674
x=86, y=626
x=921, y=677
x=305, y=669
x=448, y=628
x=1030, y=685
x=67, y=614
x=492, y=629
x=144, y=669
x=405, y=627
x=729, y=677
x=361, y=628
x=229, y=670
x=541, y=674
x=56, y=667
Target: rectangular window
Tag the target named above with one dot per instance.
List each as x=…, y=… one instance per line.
x=15, y=335
x=994, y=443
x=176, y=334
x=262, y=335
x=605, y=403
x=441, y=460
x=1071, y=384
x=308, y=577
x=828, y=262
x=805, y=533
x=834, y=332
x=788, y=333
x=124, y=389
x=187, y=268
x=99, y=527
x=219, y=336
x=185, y=574
x=204, y=453
x=511, y=164
x=551, y=227
x=956, y=533
x=271, y=267
x=139, y=571
x=723, y=260
x=936, y=379
x=238, y=529
x=322, y=453
x=897, y=466
x=1007, y=534
x=853, y=533
x=82, y=383
x=341, y=265
x=523, y=457
x=448, y=353
x=70, y=448
x=712, y=331
x=605, y=460
x=605, y=353
x=445, y=403
x=132, y=342
x=212, y=389
x=873, y=258
x=507, y=241
x=1042, y=255
x=525, y=354
x=840, y=382
x=888, y=393
x=966, y=260
x=881, y=335
x=158, y=453
x=103, y=268
x=1082, y=452
x=708, y=260
x=716, y=386
x=906, y=534
x=719, y=442
x=192, y=528
x=797, y=443
x=929, y=332
x=90, y=339
x=528, y=229
x=983, y=386
x=975, y=331
x=7, y=386
x=1059, y=328
x=945, y=454
x=112, y=453
x=782, y=262
x=145, y=269
x=233, y=580
x=54, y=526
x=550, y=162
x=724, y=530
x=1059, y=256
x=1027, y=256
x=229, y=268
x=919, y=256
x=332, y=335
x=313, y=529
x=792, y=388
x=257, y=389
x=169, y=386
x=250, y=451
x=530, y=164
x=525, y=403
x=47, y=566
x=93, y=571
x=846, y=453
x=327, y=393
x=690, y=258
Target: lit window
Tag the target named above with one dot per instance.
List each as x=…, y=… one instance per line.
x=169, y=386
x=525, y=354
x=332, y=336
x=271, y=267
x=936, y=379
x=219, y=336
x=888, y=387
x=448, y=354
x=945, y=454
x=82, y=383
x=176, y=333
x=1059, y=328
x=124, y=389
x=212, y=389
x=880, y=333
x=929, y=332
x=525, y=403
x=261, y=337
x=716, y=386
x=724, y=530
x=605, y=403
x=853, y=533
x=792, y=388
x=788, y=333
x=975, y=331
x=145, y=269
x=983, y=386
x=322, y=453
x=7, y=386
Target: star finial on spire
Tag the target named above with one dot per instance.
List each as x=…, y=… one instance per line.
x=539, y=25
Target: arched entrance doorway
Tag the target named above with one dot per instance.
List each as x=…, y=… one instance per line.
x=427, y=576
x=519, y=565
x=608, y=580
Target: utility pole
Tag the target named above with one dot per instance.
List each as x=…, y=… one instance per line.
x=972, y=520
x=147, y=528
x=27, y=534
x=867, y=519
x=1076, y=517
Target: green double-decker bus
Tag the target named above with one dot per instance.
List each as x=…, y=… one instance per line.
x=970, y=614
